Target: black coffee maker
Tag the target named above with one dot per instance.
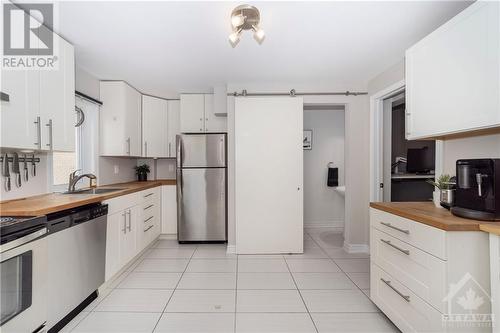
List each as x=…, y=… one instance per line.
x=477, y=194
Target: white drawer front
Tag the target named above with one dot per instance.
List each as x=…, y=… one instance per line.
x=411, y=314
x=422, y=273
x=151, y=194
x=120, y=203
x=424, y=237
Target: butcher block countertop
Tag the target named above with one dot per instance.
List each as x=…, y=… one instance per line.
x=492, y=227
x=427, y=213
x=54, y=202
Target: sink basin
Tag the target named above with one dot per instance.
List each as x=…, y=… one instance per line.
x=95, y=191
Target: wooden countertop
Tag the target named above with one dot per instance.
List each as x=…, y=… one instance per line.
x=492, y=227
x=53, y=202
x=428, y=213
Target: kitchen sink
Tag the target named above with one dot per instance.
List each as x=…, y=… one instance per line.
x=95, y=191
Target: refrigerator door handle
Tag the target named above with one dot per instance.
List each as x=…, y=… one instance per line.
x=179, y=153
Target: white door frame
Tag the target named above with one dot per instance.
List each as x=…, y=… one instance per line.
x=376, y=139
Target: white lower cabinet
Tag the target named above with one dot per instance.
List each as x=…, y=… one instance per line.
x=421, y=274
x=133, y=223
x=169, y=209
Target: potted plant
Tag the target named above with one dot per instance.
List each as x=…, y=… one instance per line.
x=142, y=172
x=445, y=185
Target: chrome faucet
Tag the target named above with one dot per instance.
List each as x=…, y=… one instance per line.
x=74, y=178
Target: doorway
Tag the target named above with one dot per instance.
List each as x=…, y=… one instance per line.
x=324, y=181
x=407, y=165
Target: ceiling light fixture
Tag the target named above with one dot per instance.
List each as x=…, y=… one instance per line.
x=245, y=17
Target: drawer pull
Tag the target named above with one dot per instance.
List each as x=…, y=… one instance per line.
x=148, y=195
x=148, y=228
x=149, y=218
x=395, y=228
x=407, y=252
x=148, y=207
x=388, y=283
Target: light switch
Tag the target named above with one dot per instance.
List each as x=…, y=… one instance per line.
x=170, y=168
x=116, y=169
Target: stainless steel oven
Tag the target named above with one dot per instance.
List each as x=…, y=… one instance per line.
x=23, y=281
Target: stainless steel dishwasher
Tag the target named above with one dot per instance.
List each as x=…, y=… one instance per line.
x=76, y=261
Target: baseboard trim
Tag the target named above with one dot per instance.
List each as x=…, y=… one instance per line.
x=324, y=224
x=356, y=248
x=231, y=249
x=168, y=236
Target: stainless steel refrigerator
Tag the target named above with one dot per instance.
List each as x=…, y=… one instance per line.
x=201, y=188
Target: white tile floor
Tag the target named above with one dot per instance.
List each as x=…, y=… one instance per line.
x=197, y=289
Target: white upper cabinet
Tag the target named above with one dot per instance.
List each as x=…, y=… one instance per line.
x=213, y=123
x=120, y=119
x=173, y=125
x=40, y=113
x=197, y=114
x=57, y=101
x=20, y=115
x=192, y=113
x=154, y=127
x=453, y=75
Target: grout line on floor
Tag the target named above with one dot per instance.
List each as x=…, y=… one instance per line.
x=345, y=273
x=301, y=297
x=175, y=288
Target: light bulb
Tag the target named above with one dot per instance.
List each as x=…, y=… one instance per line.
x=259, y=35
x=234, y=38
x=237, y=20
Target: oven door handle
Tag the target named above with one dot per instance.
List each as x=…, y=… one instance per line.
x=23, y=240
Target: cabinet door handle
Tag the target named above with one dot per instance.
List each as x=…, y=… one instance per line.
x=4, y=97
x=146, y=208
x=129, y=221
x=128, y=146
x=124, y=222
x=407, y=122
x=407, y=252
x=148, y=219
x=388, y=283
x=38, y=133
x=169, y=149
x=148, y=228
x=148, y=195
x=49, y=125
x=395, y=228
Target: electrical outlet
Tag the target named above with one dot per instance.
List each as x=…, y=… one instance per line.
x=116, y=169
x=170, y=168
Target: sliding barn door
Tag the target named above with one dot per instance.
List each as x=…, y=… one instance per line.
x=268, y=175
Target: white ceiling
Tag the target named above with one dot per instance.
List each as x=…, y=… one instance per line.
x=163, y=48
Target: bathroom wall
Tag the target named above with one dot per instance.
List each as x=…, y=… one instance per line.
x=323, y=206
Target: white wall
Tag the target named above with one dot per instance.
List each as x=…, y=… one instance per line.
x=356, y=155
x=323, y=206
x=160, y=168
x=34, y=186
x=486, y=146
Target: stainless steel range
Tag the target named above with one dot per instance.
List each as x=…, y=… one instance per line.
x=23, y=267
